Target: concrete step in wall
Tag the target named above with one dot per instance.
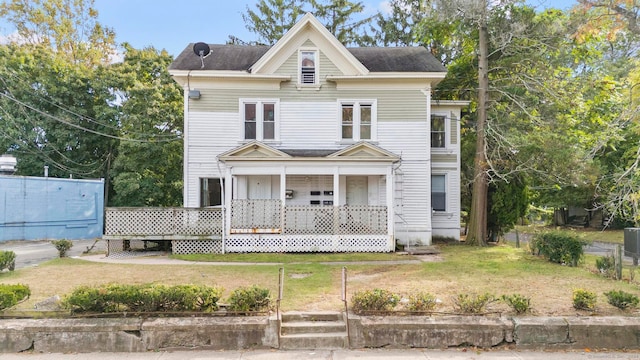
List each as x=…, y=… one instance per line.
x=322, y=330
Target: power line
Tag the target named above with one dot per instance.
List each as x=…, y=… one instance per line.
x=81, y=127
x=82, y=117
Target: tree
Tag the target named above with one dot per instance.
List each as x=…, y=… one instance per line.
x=149, y=172
x=338, y=16
x=68, y=28
x=271, y=19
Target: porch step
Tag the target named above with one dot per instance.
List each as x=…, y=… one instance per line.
x=321, y=330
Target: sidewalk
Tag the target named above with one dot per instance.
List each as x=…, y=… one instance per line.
x=368, y=354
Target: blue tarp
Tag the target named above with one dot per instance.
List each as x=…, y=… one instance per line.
x=34, y=208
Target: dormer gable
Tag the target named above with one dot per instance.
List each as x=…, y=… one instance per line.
x=308, y=28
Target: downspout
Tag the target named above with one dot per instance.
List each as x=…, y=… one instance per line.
x=222, y=201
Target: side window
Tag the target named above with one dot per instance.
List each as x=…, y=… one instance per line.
x=357, y=120
x=259, y=119
x=308, y=67
x=438, y=131
x=210, y=192
x=438, y=192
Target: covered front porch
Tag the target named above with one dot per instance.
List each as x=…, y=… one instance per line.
x=312, y=200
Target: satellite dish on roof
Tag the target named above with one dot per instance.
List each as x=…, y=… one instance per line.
x=202, y=50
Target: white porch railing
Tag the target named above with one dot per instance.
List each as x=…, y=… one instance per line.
x=256, y=226
x=163, y=221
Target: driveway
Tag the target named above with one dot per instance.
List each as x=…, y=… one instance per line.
x=31, y=253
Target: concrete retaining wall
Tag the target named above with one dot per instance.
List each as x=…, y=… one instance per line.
x=136, y=335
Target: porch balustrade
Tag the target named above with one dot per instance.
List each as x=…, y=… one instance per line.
x=257, y=215
x=163, y=221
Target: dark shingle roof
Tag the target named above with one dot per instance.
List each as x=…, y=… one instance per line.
x=376, y=59
x=401, y=59
x=222, y=57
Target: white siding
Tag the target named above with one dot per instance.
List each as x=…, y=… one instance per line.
x=308, y=125
x=210, y=134
x=409, y=140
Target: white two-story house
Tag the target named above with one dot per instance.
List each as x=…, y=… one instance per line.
x=308, y=145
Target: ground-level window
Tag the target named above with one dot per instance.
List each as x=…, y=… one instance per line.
x=210, y=192
x=438, y=193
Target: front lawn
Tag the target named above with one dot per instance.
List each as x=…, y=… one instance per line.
x=312, y=282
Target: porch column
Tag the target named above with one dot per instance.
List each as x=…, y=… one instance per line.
x=283, y=195
x=390, y=205
x=336, y=187
x=228, y=186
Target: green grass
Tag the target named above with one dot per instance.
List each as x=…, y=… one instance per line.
x=313, y=281
x=590, y=235
x=288, y=258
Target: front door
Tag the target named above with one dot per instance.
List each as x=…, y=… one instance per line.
x=357, y=190
x=259, y=187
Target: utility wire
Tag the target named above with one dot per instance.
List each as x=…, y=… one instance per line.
x=83, y=128
x=83, y=117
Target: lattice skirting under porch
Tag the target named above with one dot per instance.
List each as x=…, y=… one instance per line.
x=265, y=243
x=183, y=247
x=308, y=243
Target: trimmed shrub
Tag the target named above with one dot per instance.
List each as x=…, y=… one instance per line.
x=421, y=301
x=584, y=299
x=559, y=247
x=142, y=298
x=252, y=298
x=473, y=304
x=7, y=260
x=621, y=300
x=10, y=295
x=374, y=300
x=518, y=303
x=62, y=246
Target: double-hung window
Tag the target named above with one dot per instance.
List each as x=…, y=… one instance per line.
x=439, y=192
x=259, y=119
x=357, y=120
x=308, y=67
x=438, y=131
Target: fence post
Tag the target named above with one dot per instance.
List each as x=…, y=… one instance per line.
x=618, y=262
x=517, y=239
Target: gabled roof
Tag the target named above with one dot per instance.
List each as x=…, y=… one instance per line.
x=375, y=59
x=254, y=150
x=356, y=61
x=365, y=150
x=222, y=57
x=361, y=151
x=309, y=28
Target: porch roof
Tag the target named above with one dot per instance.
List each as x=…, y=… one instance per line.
x=258, y=151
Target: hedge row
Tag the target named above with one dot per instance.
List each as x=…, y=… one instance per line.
x=115, y=298
x=10, y=295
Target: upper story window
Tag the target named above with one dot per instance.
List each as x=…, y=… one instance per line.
x=438, y=131
x=259, y=118
x=308, y=67
x=357, y=120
